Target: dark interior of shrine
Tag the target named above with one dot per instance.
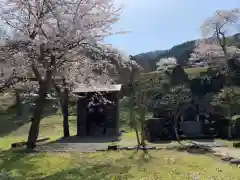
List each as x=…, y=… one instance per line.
x=96, y=113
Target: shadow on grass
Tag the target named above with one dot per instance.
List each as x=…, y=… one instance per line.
x=205, y=140
x=77, y=144
x=192, y=149
x=10, y=121
x=22, y=163
x=139, y=157
x=92, y=172
x=77, y=139
x=15, y=161
x=161, y=142
x=10, y=158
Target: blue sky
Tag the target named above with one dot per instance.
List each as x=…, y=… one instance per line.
x=161, y=24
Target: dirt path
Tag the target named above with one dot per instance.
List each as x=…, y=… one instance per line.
x=71, y=147
x=227, y=151
x=222, y=150
x=219, y=148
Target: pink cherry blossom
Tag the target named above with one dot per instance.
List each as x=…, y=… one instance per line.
x=71, y=32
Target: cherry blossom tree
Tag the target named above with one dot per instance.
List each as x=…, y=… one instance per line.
x=215, y=45
x=92, y=72
x=135, y=71
x=11, y=80
x=177, y=96
x=216, y=48
x=165, y=63
x=219, y=25
x=210, y=51
x=55, y=38
x=228, y=98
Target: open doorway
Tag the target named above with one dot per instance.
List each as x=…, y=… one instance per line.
x=96, y=122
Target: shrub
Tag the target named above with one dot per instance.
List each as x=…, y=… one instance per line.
x=236, y=144
x=236, y=120
x=4, y=175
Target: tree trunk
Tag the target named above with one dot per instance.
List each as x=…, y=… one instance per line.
x=175, y=123
x=230, y=124
x=18, y=103
x=137, y=135
x=44, y=84
x=65, y=113
x=132, y=114
x=142, y=120
x=134, y=123
x=63, y=99
x=143, y=143
x=34, y=128
x=176, y=128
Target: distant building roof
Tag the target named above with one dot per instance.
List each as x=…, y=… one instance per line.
x=98, y=88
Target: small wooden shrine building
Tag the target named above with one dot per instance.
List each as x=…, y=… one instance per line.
x=112, y=93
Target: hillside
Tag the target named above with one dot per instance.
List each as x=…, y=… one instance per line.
x=181, y=52
x=147, y=60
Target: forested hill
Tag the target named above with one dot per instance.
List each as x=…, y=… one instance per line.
x=181, y=52
x=148, y=60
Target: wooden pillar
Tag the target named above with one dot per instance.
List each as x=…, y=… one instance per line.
x=18, y=103
x=198, y=118
x=81, y=116
x=117, y=114
x=112, y=114
x=181, y=118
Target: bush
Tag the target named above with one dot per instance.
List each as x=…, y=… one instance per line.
x=236, y=144
x=72, y=110
x=236, y=122
x=4, y=175
x=236, y=118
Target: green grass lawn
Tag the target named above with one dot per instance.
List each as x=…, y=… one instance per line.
x=195, y=71
x=50, y=127
x=162, y=164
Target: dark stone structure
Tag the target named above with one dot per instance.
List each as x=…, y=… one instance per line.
x=111, y=93
x=189, y=121
x=179, y=76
